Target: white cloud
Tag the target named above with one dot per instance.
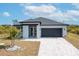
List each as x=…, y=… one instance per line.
x=6, y=14
x=41, y=8
x=25, y=4
x=50, y=11
x=72, y=15
x=73, y=12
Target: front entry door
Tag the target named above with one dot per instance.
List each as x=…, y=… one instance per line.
x=32, y=31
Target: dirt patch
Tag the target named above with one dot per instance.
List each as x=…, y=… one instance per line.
x=30, y=48
x=73, y=39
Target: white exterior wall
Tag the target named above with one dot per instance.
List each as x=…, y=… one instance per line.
x=38, y=31
x=25, y=32
x=52, y=26
x=64, y=31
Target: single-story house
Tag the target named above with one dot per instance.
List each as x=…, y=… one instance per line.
x=42, y=27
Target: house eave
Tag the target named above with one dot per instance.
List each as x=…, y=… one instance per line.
x=54, y=25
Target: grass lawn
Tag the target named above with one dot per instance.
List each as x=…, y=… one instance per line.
x=73, y=39
x=31, y=48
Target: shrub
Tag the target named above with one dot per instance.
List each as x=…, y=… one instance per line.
x=73, y=29
x=11, y=31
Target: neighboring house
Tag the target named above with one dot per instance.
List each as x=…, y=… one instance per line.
x=42, y=27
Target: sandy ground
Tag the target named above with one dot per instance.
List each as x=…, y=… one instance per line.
x=29, y=48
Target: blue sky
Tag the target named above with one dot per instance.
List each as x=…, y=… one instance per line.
x=62, y=12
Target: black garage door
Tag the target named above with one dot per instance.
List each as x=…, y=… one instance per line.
x=51, y=32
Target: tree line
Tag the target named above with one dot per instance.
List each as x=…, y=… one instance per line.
x=73, y=29
x=11, y=31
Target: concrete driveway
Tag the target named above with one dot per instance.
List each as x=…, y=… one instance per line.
x=55, y=47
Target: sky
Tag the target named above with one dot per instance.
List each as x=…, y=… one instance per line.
x=62, y=12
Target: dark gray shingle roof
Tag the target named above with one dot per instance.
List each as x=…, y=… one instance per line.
x=44, y=22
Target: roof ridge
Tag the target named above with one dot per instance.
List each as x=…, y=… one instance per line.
x=49, y=19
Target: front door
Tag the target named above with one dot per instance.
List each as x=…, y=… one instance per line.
x=32, y=31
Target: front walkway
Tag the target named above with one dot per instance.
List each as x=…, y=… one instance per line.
x=56, y=47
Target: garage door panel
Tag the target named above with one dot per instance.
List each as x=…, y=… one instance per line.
x=51, y=32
